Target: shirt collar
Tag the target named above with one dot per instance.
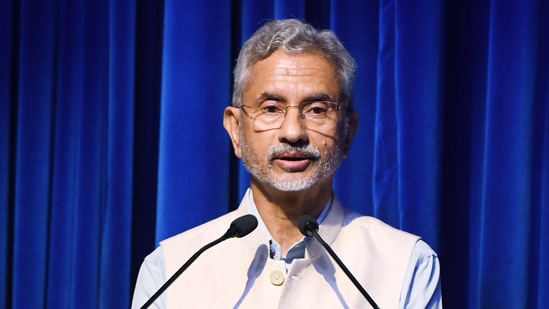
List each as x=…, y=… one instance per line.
x=297, y=250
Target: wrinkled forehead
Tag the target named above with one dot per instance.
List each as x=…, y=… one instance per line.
x=284, y=74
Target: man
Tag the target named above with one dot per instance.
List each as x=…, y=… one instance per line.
x=292, y=123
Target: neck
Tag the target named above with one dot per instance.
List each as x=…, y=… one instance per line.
x=280, y=210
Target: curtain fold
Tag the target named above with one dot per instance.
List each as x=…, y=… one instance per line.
x=33, y=132
x=111, y=137
x=408, y=112
x=71, y=169
x=193, y=150
x=116, y=227
x=6, y=54
x=505, y=147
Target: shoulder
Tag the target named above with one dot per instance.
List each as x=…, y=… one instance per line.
x=368, y=226
x=347, y=228
x=207, y=231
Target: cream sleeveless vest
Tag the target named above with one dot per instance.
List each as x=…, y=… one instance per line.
x=238, y=273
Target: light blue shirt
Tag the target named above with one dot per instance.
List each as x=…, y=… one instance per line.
x=297, y=250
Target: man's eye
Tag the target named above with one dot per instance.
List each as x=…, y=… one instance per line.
x=315, y=108
x=271, y=109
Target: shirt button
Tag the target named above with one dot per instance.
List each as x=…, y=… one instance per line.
x=277, y=277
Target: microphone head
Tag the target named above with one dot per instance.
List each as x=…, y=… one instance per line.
x=307, y=225
x=243, y=226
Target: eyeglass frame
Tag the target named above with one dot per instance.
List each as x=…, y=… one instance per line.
x=283, y=112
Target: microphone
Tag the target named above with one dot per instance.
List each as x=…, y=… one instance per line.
x=240, y=227
x=308, y=226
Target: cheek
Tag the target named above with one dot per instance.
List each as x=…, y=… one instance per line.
x=330, y=146
x=257, y=144
x=324, y=143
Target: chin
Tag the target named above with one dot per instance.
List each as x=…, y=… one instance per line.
x=291, y=187
x=290, y=182
x=296, y=184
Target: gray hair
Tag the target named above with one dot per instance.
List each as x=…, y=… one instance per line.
x=294, y=37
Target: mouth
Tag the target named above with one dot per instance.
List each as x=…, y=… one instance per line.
x=293, y=161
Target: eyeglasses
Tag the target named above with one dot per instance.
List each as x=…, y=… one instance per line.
x=317, y=115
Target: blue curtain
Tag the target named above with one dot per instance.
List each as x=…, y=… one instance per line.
x=111, y=136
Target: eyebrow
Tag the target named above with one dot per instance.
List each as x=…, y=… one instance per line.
x=270, y=96
x=321, y=96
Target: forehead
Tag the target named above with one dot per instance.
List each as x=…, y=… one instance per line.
x=293, y=75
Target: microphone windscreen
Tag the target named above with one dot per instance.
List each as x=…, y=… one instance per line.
x=244, y=225
x=307, y=225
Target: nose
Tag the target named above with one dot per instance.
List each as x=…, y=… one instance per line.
x=293, y=128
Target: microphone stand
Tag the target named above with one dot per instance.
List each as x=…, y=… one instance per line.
x=180, y=271
x=240, y=227
x=345, y=269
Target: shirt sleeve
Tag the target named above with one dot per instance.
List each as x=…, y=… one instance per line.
x=421, y=288
x=150, y=278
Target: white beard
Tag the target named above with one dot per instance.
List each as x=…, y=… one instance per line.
x=323, y=167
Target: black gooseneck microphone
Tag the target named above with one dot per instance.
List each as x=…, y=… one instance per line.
x=308, y=226
x=240, y=227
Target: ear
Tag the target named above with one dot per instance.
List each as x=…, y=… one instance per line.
x=231, y=122
x=353, y=127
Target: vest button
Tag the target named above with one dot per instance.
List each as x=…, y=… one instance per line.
x=277, y=277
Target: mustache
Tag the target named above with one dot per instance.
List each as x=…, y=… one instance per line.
x=306, y=151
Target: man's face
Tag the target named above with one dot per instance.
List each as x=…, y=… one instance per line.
x=292, y=157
